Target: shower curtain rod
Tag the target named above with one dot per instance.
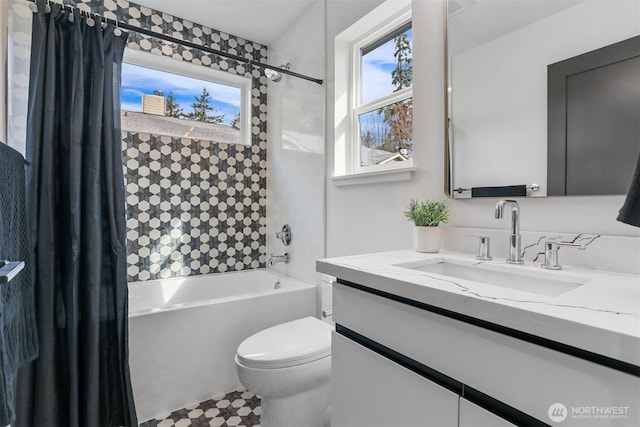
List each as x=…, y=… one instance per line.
x=144, y=31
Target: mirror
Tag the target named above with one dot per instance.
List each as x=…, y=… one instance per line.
x=499, y=53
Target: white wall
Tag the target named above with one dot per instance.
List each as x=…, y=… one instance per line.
x=18, y=50
x=295, y=153
x=368, y=218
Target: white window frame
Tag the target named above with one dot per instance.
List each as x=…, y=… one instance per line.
x=183, y=68
x=380, y=22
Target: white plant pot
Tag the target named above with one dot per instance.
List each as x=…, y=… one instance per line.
x=427, y=239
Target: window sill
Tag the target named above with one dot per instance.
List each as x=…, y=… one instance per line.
x=375, y=177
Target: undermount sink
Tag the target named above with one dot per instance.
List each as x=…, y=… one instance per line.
x=506, y=276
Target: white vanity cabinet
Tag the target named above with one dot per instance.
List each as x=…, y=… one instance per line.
x=372, y=391
x=393, y=357
x=369, y=390
x=472, y=415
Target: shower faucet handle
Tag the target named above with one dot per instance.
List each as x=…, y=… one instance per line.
x=284, y=235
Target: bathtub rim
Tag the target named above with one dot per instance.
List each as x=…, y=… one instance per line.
x=287, y=284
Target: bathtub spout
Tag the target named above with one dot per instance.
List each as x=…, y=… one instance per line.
x=273, y=259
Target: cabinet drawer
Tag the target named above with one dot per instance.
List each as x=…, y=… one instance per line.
x=523, y=375
x=371, y=391
x=471, y=415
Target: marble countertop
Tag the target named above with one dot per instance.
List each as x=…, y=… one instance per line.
x=602, y=315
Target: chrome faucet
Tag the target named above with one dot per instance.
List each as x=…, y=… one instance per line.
x=551, y=248
x=514, y=239
x=273, y=259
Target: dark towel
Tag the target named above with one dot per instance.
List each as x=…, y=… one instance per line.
x=502, y=191
x=18, y=334
x=630, y=212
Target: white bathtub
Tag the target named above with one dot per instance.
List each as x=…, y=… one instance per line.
x=183, y=333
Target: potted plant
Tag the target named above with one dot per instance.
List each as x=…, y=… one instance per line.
x=426, y=217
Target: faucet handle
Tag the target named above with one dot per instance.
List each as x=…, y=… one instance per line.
x=484, y=248
x=551, y=253
x=284, y=234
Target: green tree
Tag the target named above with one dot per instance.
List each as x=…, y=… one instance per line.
x=399, y=116
x=201, y=108
x=402, y=75
x=173, y=109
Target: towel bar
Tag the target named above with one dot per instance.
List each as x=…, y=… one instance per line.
x=532, y=187
x=9, y=270
x=499, y=191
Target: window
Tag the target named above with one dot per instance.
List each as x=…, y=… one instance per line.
x=382, y=117
x=164, y=96
x=374, y=108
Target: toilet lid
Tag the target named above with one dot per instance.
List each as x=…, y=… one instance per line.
x=288, y=344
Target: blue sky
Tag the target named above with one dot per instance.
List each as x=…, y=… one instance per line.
x=376, y=82
x=376, y=70
x=377, y=66
x=138, y=80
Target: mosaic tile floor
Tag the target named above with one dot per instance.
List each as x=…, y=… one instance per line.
x=237, y=409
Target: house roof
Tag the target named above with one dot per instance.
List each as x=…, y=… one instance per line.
x=133, y=121
x=374, y=156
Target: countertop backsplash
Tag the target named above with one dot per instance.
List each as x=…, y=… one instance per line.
x=619, y=254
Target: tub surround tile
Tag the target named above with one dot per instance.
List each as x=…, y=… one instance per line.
x=205, y=211
x=238, y=409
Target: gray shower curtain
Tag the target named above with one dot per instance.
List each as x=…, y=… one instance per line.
x=76, y=213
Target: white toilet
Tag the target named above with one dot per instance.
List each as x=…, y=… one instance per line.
x=289, y=367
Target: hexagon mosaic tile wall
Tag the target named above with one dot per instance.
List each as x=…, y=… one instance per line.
x=193, y=207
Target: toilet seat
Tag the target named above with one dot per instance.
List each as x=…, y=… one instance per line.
x=288, y=344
